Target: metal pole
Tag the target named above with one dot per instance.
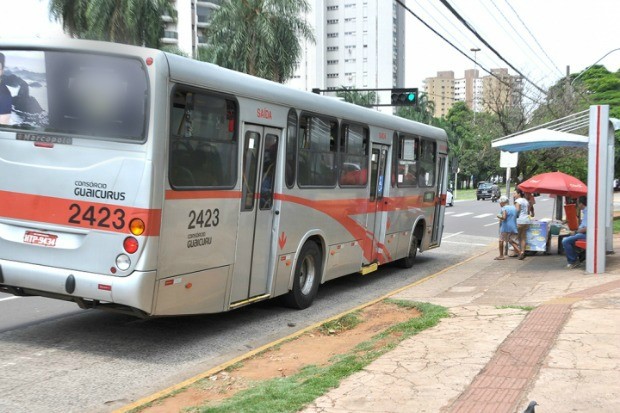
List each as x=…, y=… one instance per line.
x=473, y=87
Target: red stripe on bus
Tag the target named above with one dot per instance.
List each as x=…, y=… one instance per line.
x=77, y=213
x=170, y=194
x=343, y=210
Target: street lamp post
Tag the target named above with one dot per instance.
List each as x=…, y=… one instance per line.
x=473, y=86
x=586, y=69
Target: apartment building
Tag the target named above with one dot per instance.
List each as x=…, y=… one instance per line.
x=187, y=33
x=501, y=90
x=359, y=44
x=441, y=90
x=479, y=93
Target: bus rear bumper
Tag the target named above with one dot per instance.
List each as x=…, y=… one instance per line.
x=89, y=290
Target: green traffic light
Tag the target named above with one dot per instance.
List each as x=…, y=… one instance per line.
x=410, y=96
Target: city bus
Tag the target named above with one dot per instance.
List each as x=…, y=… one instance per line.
x=151, y=184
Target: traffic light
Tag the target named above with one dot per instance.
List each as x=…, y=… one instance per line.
x=405, y=97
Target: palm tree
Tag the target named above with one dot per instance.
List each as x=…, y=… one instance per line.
x=122, y=21
x=258, y=37
x=358, y=98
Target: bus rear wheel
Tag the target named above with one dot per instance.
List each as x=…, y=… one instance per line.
x=407, y=262
x=306, y=279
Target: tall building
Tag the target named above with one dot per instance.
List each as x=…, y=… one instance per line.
x=359, y=44
x=479, y=94
x=501, y=90
x=441, y=90
x=187, y=33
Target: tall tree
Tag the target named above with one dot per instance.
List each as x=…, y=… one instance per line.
x=122, y=21
x=366, y=99
x=421, y=112
x=258, y=37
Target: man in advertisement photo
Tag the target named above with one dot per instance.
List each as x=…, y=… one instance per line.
x=6, y=100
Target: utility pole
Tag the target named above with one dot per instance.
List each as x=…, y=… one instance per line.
x=473, y=88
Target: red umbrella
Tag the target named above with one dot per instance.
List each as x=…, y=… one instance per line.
x=556, y=183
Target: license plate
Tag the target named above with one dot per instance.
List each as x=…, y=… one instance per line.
x=40, y=238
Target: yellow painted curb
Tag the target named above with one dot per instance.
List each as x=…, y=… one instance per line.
x=162, y=393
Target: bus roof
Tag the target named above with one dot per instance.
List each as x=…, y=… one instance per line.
x=229, y=81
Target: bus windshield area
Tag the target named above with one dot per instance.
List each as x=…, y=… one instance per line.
x=102, y=97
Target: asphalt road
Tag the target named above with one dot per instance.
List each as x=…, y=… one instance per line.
x=55, y=357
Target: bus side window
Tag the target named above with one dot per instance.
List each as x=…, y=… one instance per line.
x=354, y=155
x=426, y=173
x=203, y=140
x=317, y=151
x=291, y=148
x=407, y=163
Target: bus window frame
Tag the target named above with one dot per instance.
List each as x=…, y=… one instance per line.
x=53, y=132
x=344, y=143
x=401, y=137
x=295, y=147
x=299, y=148
x=208, y=92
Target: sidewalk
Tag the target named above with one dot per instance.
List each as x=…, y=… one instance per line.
x=492, y=355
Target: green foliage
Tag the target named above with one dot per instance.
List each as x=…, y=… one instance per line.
x=258, y=37
x=346, y=322
x=174, y=50
x=136, y=22
x=422, y=112
x=358, y=98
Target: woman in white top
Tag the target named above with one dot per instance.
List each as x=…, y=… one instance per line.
x=523, y=219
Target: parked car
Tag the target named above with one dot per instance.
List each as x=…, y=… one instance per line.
x=616, y=184
x=484, y=190
x=449, y=198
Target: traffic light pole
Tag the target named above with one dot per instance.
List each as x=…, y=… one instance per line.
x=400, y=96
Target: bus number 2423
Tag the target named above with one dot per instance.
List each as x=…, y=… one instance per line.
x=102, y=217
x=204, y=218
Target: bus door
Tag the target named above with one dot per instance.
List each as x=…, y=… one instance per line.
x=255, y=238
x=378, y=163
x=439, y=203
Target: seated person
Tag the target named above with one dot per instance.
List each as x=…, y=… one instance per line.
x=568, y=243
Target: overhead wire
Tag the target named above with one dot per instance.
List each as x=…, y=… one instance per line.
x=534, y=53
x=534, y=100
x=486, y=43
x=537, y=55
x=534, y=37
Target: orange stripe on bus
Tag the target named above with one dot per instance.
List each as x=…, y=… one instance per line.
x=77, y=213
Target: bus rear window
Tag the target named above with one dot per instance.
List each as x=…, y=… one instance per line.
x=103, y=97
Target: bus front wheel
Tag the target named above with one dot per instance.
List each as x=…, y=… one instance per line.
x=307, y=277
x=407, y=262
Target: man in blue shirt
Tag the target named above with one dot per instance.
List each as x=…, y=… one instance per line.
x=6, y=100
x=569, y=242
x=507, y=228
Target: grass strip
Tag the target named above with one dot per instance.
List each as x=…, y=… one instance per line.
x=290, y=394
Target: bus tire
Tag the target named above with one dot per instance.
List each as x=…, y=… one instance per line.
x=307, y=277
x=407, y=262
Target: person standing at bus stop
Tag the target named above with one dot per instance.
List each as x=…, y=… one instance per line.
x=6, y=100
x=507, y=227
x=568, y=243
x=523, y=219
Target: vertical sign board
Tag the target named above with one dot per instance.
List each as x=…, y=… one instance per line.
x=598, y=188
x=508, y=160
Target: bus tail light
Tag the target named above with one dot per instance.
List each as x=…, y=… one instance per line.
x=131, y=245
x=137, y=226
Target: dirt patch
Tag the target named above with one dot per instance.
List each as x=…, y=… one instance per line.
x=315, y=347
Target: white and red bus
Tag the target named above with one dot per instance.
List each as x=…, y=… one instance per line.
x=152, y=184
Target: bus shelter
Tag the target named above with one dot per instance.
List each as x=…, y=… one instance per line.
x=600, y=145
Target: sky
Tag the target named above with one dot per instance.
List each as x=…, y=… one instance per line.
x=540, y=38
